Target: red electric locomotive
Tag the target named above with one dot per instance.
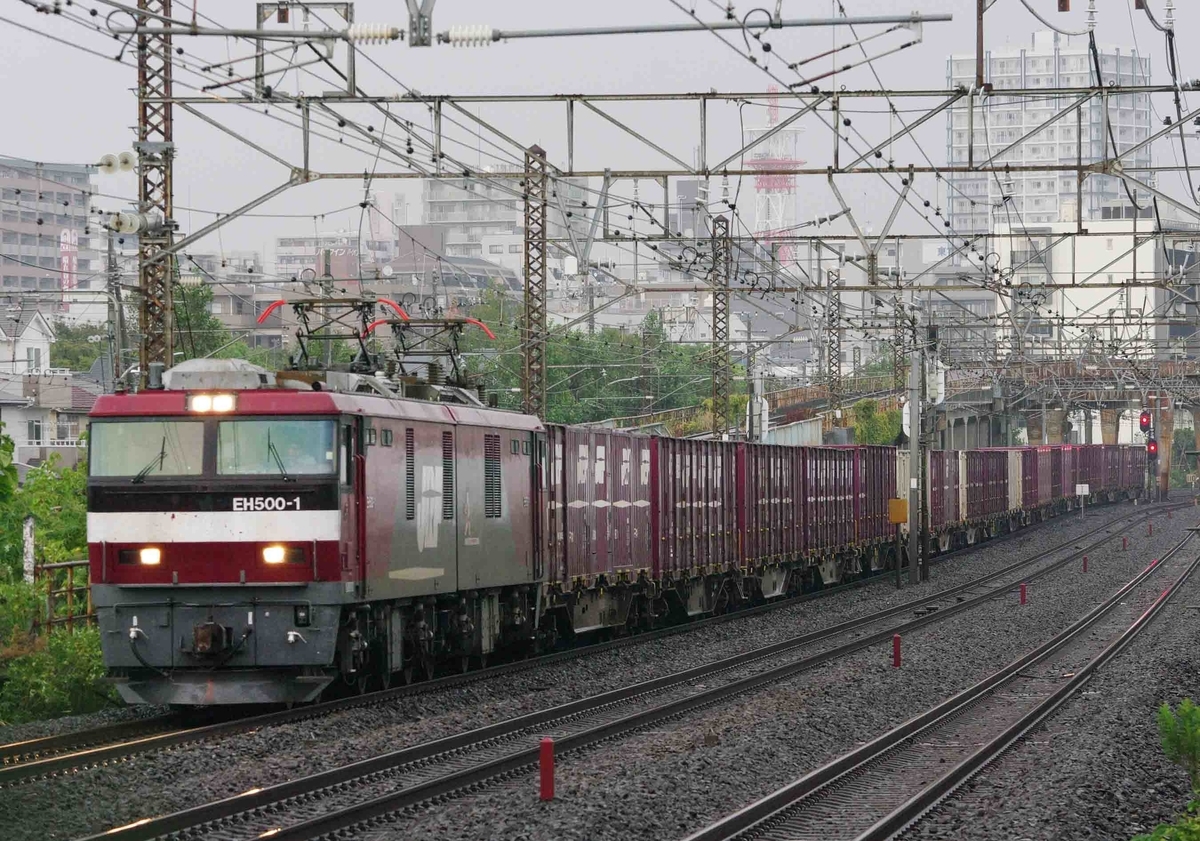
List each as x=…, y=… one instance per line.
x=230, y=515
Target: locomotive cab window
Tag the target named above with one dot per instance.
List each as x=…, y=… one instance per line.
x=144, y=449
x=276, y=447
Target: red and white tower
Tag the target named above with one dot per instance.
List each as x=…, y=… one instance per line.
x=774, y=186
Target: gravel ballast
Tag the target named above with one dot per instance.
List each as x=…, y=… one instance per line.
x=1096, y=768
x=674, y=780
x=835, y=703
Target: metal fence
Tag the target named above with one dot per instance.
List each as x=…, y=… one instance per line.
x=64, y=587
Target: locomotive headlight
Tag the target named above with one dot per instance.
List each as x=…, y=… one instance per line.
x=274, y=554
x=211, y=402
x=150, y=556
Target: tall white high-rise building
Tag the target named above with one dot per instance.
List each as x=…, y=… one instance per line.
x=976, y=202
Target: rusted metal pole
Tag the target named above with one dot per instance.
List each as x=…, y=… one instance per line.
x=70, y=599
x=981, y=7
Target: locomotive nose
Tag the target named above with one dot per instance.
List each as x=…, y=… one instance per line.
x=210, y=638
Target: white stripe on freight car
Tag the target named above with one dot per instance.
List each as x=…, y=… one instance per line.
x=212, y=526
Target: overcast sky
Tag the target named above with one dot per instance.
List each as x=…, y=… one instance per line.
x=64, y=105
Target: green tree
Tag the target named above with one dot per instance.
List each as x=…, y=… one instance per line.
x=56, y=498
x=611, y=373
x=1179, y=730
x=77, y=347
x=872, y=426
x=1182, y=441
x=198, y=332
x=8, y=470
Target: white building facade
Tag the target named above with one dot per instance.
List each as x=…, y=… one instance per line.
x=976, y=201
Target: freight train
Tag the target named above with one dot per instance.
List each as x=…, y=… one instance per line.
x=257, y=537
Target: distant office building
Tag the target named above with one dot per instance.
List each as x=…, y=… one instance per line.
x=474, y=209
x=45, y=242
x=336, y=254
x=976, y=201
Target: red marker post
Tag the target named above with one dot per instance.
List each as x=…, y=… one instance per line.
x=1149, y=528
x=1022, y=592
x=546, y=768
x=1125, y=543
x=895, y=651
x=1085, y=563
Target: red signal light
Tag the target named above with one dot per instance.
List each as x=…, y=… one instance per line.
x=1144, y=421
x=1151, y=447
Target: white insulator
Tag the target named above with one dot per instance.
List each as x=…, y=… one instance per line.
x=372, y=33
x=479, y=35
x=1170, y=24
x=1091, y=24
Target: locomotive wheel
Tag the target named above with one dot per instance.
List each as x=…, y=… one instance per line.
x=407, y=675
x=385, y=679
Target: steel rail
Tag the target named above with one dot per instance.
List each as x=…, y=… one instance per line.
x=778, y=810
x=452, y=748
x=29, y=750
x=63, y=753
x=918, y=806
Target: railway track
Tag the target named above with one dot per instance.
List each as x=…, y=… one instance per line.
x=881, y=788
x=67, y=753
x=313, y=806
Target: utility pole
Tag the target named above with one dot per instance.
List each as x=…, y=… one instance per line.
x=926, y=442
x=591, y=304
x=116, y=319
x=156, y=152
x=980, y=8
x=914, y=460
x=752, y=423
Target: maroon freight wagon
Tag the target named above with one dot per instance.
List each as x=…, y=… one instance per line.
x=874, y=485
x=770, y=502
x=944, y=494
x=986, y=483
x=828, y=499
x=598, y=489
x=693, y=506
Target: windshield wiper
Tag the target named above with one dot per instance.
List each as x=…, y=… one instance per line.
x=158, y=459
x=274, y=453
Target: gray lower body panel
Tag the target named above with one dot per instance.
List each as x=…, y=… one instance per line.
x=231, y=686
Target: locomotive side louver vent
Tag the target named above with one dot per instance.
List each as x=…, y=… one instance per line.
x=410, y=476
x=491, y=475
x=447, y=475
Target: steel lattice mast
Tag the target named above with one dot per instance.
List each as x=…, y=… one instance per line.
x=533, y=381
x=722, y=376
x=156, y=151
